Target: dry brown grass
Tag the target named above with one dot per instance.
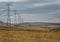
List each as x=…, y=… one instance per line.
x=29, y=36
x=26, y=35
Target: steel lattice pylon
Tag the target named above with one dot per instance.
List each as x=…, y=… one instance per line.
x=8, y=15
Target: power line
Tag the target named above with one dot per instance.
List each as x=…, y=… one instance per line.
x=9, y=15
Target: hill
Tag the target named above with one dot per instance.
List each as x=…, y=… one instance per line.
x=1, y=22
x=28, y=33
x=41, y=23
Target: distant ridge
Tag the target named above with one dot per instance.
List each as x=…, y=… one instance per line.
x=1, y=22
x=41, y=23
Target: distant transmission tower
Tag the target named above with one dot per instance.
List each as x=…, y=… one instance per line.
x=19, y=18
x=15, y=16
x=22, y=20
x=15, y=19
x=8, y=14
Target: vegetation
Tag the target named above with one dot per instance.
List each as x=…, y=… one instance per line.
x=29, y=36
x=26, y=34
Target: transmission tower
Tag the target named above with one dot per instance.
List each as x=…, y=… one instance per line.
x=15, y=18
x=19, y=18
x=22, y=20
x=8, y=15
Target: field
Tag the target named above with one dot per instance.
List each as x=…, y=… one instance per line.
x=29, y=36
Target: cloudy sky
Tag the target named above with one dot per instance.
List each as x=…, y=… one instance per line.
x=32, y=10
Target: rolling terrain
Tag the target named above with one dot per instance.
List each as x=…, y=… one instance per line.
x=29, y=33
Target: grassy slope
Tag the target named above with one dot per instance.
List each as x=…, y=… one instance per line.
x=29, y=36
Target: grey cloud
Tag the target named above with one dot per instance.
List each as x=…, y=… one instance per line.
x=37, y=10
